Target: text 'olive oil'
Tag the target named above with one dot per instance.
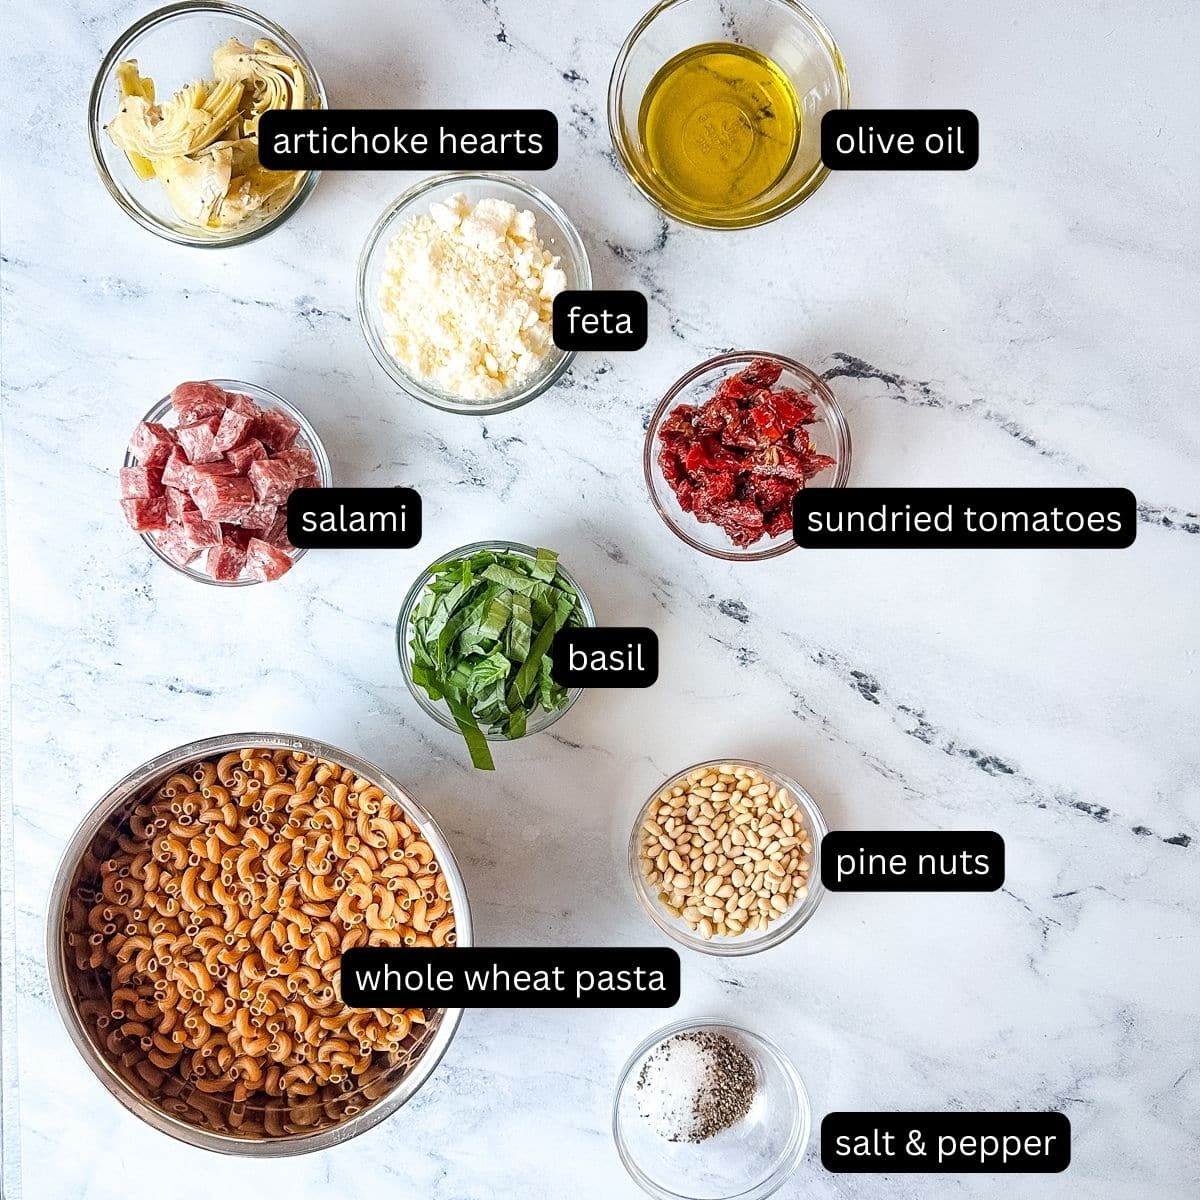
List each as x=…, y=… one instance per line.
x=720, y=124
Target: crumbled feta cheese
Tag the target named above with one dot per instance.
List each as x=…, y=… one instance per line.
x=467, y=295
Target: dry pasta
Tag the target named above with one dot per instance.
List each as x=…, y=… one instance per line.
x=206, y=935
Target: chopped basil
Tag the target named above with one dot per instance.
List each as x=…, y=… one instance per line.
x=480, y=637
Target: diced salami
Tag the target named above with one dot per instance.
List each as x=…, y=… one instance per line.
x=223, y=498
x=151, y=444
x=140, y=483
x=266, y=562
x=272, y=481
x=260, y=518
x=213, y=470
x=146, y=514
x=178, y=503
x=298, y=460
x=198, y=440
x=242, y=456
x=225, y=562
x=176, y=547
x=200, y=531
x=309, y=481
x=277, y=535
x=197, y=401
x=276, y=430
x=233, y=428
x=175, y=471
x=243, y=404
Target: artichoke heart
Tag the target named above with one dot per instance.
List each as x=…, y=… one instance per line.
x=202, y=144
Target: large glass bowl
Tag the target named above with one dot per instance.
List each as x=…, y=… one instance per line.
x=830, y=435
x=783, y=30
x=174, y=47
x=166, y=1105
x=554, y=228
x=752, y=941
x=438, y=710
x=307, y=438
x=749, y=1161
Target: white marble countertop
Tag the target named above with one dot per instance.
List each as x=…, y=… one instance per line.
x=1031, y=321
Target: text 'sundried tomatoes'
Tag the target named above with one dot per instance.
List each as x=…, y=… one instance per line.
x=738, y=459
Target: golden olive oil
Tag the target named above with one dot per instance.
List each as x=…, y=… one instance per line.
x=720, y=124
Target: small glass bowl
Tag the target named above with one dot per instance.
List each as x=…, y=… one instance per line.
x=749, y=1161
x=752, y=941
x=830, y=435
x=307, y=438
x=788, y=34
x=554, y=228
x=438, y=711
x=174, y=46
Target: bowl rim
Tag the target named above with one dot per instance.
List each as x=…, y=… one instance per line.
x=256, y=392
x=123, y=792
x=616, y=125
x=437, y=710
x=789, y=922
x=119, y=51
x=801, y=1124
x=405, y=203
x=832, y=411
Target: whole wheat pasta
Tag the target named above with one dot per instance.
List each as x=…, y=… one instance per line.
x=211, y=935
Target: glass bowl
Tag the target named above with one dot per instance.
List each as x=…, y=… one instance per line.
x=307, y=438
x=159, y=1101
x=752, y=941
x=438, y=710
x=554, y=228
x=788, y=34
x=174, y=46
x=748, y=1161
x=830, y=435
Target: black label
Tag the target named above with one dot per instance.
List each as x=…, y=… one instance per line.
x=885, y=861
x=354, y=518
x=612, y=656
x=417, y=139
x=1023, y=518
x=527, y=977
x=600, y=320
x=957, y=1143
x=900, y=139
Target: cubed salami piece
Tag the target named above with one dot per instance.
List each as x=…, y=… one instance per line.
x=179, y=502
x=235, y=535
x=223, y=498
x=309, y=481
x=197, y=401
x=243, y=404
x=233, y=428
x=273, y=481
x=242, y=456
x=140, y=483
x=146, y=514
x=177, y=548
x=276, y=430
x=225, y=562
x=299, y=461
x=151, y=444
x=213, y=470
x=277, y=535
x=175, y=471
x=260, y=518
x=199, y=531
x=198, y=440
x=266, y=562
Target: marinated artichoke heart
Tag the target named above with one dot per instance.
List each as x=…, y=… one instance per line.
x=202, y=144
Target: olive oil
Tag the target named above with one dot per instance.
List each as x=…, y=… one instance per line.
x=720, y=124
